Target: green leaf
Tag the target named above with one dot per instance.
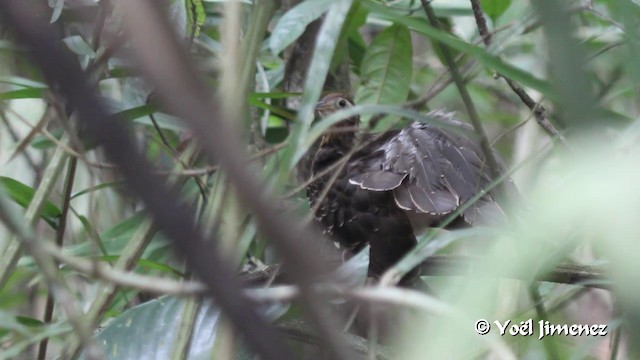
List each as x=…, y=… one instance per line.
x=356, y=53
x=356, y=18
x=495, y=8
x=489, y=60
x=92, y=233
x=77, y=44
x=146, y=264
x=23, y=332
x=284, y=113
x=149, y=331
x=43, y=142
x=58, y=5
x=30, y=93
x=22, y=82
x=24, y=320
x=272, y=95
x=113, y=240
x=195, y=16
x=22, y=194
x=293, y=23
x=318, y=69
x=137, y=112
x=125, y=228
x=91, y=189
x=386, y=68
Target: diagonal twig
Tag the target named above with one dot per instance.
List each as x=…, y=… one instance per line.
x=538, y=110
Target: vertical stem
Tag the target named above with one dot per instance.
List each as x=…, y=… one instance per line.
x=464, y=94
x=549, y=344
x=62, y=226
x=229, y=90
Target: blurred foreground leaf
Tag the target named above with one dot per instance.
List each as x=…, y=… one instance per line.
x=149, y=331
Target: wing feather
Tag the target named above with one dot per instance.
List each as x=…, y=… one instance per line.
x=431, y=169
x=378, y=180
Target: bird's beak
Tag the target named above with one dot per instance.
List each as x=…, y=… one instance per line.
x=321, y=108
x=320, y=104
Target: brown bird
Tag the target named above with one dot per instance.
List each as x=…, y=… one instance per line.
x=396, y=183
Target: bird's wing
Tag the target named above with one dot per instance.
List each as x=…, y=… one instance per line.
x=432, y=169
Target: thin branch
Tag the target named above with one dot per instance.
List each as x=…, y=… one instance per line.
x=15, y=138
x=437, y=87
x=538, y=110
x=464, y=94
x=481, y=22
x=176, y=157
x=438, y=265
x=580, y=275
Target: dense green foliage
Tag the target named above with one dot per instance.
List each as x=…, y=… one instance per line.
x=575, y=164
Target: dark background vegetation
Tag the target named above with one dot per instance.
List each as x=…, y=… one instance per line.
x=154, y=158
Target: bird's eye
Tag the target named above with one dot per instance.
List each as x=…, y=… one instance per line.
x=342, y=103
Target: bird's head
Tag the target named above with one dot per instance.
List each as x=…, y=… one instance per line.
x=332, y=103
x=342, y=131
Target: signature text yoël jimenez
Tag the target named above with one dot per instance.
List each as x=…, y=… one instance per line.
x=545, y=328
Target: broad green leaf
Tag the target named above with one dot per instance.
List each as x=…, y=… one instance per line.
x=22, y=194
x=356, y=18
x=356, y=53
x=77, y=44
x=149, y=331
x=495, y=8
x=490, y=61
x=293, y=23
x=386, y=68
